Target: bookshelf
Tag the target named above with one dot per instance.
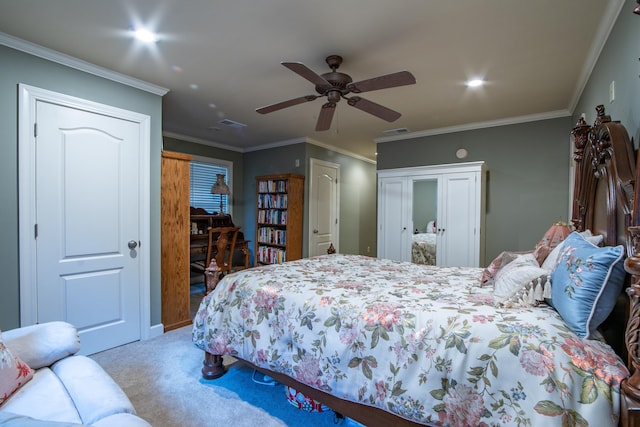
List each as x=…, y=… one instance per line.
x=279, y=205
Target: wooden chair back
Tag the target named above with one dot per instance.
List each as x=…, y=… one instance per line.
x=222, y=243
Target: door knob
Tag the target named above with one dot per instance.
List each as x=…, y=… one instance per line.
x=132, y=244
x=315, y=231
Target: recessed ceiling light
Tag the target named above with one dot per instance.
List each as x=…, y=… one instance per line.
x=145, y=35
x=475, y=82
x=193, y=86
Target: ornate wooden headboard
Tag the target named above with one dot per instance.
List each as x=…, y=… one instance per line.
x=606, y=201
x=603, y=197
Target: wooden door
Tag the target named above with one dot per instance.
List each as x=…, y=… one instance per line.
x=176, y=241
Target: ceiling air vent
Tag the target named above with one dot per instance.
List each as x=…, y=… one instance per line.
x=396, y=131
x=232, y=124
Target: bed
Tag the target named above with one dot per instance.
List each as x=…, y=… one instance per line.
x=389, y=343
x=423, y=248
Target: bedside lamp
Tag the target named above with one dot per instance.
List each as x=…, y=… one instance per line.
x=221, y=188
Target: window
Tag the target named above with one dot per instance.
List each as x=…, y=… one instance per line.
x=203, y=176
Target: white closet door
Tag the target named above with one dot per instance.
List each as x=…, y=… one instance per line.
x=457, y=224
x=393, y=240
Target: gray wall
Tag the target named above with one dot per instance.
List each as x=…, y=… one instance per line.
x=527, y=179
x=617, y=62
x=18, y=67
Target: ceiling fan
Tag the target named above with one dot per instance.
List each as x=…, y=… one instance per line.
x=335, y=85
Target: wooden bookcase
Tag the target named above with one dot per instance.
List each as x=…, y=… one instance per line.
x=279, y=208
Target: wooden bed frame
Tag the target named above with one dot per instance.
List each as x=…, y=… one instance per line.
x=605, y=202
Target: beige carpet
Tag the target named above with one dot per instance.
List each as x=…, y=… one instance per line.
x=162, y=378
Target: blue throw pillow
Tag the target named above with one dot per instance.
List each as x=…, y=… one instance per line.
x=586, y=283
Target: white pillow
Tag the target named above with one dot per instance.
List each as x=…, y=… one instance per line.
x=516, y=276
x=431, y=227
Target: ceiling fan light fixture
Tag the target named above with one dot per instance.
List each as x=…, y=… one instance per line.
x=336, y=85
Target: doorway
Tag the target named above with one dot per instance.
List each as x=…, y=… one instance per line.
x=324, y=207
x=84, y=209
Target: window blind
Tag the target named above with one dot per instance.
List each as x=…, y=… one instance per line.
x=202, y=178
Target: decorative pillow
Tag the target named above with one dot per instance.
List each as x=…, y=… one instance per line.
x=586, y=283
x=552, y=259
x=431, y=227
x=14, y=373
x=515, y=278
x=504, y=258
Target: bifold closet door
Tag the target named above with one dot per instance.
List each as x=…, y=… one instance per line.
x=457, y=224
x=393, y=235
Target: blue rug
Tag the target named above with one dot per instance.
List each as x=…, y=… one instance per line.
x=272, y=398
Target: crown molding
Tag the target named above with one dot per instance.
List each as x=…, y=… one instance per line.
x=201, y=141
x=477, y=125
x=78, y=64
x=341, y=151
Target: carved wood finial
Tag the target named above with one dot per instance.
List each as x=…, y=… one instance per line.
x=632, y=334
x=331, y=249
x=212, y=276
x=637, y=9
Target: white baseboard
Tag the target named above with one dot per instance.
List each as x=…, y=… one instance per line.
x=156, y=331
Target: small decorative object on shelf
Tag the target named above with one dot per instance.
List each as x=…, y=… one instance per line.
x=279, y=205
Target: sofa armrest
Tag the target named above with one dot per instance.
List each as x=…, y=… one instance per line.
x=43, y=344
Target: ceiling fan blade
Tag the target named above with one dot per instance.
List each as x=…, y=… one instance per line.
x=401, y=78
x=284, y=104
x=306, y=72
x=372, y=108
x=325, y=117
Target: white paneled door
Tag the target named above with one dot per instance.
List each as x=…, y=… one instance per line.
x=87, y=228
x=323, y=207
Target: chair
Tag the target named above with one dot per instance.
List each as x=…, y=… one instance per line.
x=222, y=243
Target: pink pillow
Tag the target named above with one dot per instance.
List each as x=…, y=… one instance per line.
x=14, y=373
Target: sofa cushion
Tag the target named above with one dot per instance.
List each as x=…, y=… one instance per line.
x=121, y=420
x=43, y=344
x=95, y=394
x=14, y=373
x=45, y=398
x=9, y=419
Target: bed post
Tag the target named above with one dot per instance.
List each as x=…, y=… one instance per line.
x=630, y=399
x=212, y=366
x=580, y=134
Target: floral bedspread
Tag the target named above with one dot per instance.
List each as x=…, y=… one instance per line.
x=423, y=248
x=422, y=342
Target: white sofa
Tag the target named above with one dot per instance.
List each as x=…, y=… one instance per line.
x=66, y=388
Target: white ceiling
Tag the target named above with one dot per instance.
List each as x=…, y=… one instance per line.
x=534, y=55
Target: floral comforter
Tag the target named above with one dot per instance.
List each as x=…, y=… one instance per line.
x=422, y=342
